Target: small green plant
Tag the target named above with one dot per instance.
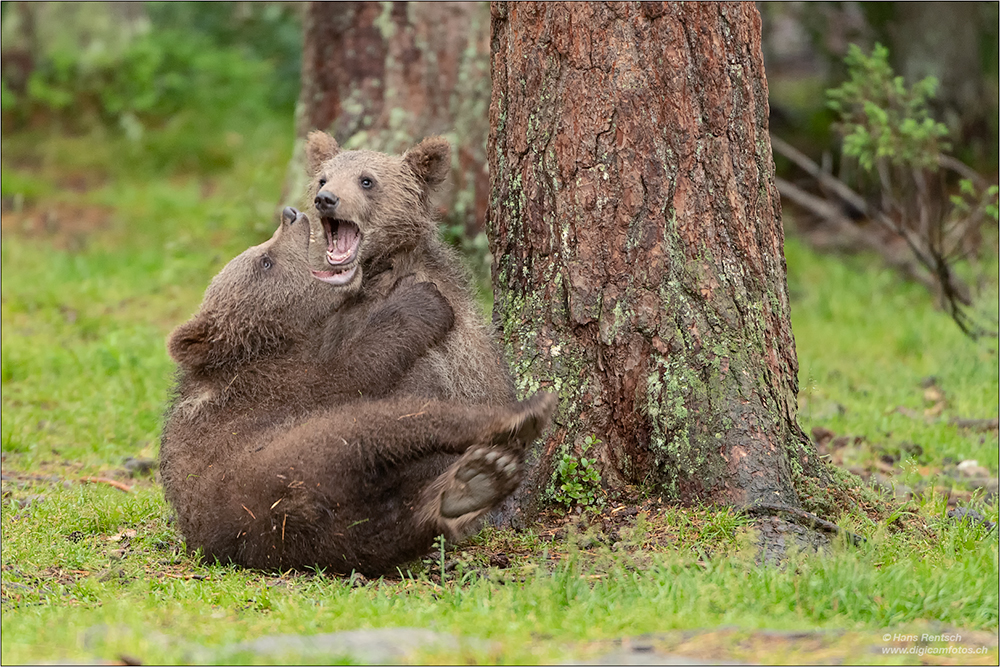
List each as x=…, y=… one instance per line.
x=440, y=542
x=577, y=479
x=934, y=202
x=881, y=118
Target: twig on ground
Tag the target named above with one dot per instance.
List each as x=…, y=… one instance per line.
x=109, y=482
x=976, y=424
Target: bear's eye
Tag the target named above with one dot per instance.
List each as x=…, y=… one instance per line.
x=266, y=262
x=322, y=182
x=367, y=183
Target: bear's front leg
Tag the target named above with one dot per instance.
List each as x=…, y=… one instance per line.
x=414, y=318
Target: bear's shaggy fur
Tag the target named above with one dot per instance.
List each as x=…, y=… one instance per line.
x=283, y=450
x=371, y=225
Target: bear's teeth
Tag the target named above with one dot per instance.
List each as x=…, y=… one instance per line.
x=342, y=240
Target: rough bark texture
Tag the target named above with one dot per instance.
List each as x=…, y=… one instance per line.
x=639, y=251
x=383, y=76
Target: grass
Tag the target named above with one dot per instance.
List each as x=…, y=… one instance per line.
x=90, y=291
x=870, y=347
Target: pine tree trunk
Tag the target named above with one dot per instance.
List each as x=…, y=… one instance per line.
x=639, y=250
x=383, y=76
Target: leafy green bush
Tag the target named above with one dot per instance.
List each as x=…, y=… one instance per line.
x=268, y=32
x=936, y=204
x=881, y=118
x=171, y=59
x=156, y=76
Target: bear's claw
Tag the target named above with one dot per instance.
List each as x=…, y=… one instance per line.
x=531, y=417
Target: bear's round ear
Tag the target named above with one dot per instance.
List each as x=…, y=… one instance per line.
x=430, y=161
x=320, y=147
x=190, y=344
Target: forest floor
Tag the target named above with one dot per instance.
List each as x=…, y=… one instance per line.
x=104, y=253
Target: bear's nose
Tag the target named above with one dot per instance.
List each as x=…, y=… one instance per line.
x=326, y=202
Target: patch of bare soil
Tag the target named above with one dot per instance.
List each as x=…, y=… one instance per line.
x=66, y=225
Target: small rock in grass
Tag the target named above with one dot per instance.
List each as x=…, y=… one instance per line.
x=499, y=560
x=139, y=467
x=974, y=517
x=380, y=645
x=971, y=468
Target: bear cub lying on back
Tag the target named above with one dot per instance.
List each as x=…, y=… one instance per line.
x=282, y=450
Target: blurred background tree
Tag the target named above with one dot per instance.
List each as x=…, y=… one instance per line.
x=383, y=76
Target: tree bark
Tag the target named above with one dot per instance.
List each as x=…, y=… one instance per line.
x=637, y=233
x=383, y=76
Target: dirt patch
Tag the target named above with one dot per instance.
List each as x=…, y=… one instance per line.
x=66, y=225
x=882, y=464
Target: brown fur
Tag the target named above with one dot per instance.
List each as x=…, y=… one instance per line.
x=282, y=449
x=399, y=238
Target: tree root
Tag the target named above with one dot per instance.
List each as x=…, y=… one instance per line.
x=801, y=517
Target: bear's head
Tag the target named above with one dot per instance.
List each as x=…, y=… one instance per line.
x=369, y=205
x=260, y=304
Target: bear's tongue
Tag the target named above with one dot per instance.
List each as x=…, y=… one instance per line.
x=342, y=239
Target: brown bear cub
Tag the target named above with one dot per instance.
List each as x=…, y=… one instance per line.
x=281, y=450
x=371, y=226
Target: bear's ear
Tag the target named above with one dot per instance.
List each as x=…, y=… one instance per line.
x=320, y=147
x=430, y=161
x=190, y=344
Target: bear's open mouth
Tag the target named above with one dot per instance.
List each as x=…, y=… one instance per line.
x=342, y=241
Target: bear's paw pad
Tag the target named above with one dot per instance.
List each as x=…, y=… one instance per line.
x=482, y=477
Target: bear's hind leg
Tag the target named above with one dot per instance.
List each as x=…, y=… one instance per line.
x=526, y=422
x=485, y=474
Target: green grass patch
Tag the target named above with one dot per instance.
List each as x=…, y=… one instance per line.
x=91, y=571
x=871, y=345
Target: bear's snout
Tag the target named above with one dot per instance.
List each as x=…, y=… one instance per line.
x=326, y=202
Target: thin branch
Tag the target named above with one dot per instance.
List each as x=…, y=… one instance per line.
x=109, y=482
x=963, y=170
x=954, y=292
x=855, y=235
x=814, y=170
